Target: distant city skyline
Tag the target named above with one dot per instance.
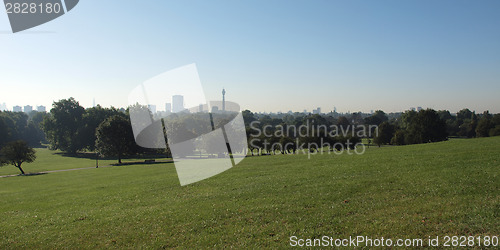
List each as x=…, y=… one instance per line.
x=272, y=56
x=215, y=108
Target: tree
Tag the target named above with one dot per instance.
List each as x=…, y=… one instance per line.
x=377, y=118
x=16, y=153
x=385, y=134
x=343, y=123
x=288, y=144
x=91, y=119
x=399, y=138
x=4, y=130
x=115, y=138
x=483, y=127
x=62, y=126
x=426, y=126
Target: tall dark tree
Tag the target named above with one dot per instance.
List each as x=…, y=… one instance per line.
x=399, y=138
x=62, y=126
x=5, y=132
x=385, y=134
x=36, y=119
x=426, y=126
x=484, y=126
x=16, y=153
x=91, y=119
x=115, y=138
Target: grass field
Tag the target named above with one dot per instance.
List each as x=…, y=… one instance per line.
x=447, y=188
x=48, y=160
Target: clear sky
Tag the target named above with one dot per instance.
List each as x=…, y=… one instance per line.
x=268, y=55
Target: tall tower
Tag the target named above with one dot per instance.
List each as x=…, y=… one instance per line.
x=223, y=99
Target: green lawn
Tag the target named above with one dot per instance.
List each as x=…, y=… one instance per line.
x=56, y=160
x=447, y=188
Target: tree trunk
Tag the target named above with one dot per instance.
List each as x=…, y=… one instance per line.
x=19, y=166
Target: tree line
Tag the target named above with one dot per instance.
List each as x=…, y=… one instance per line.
x=432, y=126
x=71, y=128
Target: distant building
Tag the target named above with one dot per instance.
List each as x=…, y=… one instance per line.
x=317, y=111
x=152, y=108
x=41, y=108
x=412, y=109
x=200, y=108
x=177, y=103
x=215, y=109
x=17, y=109
x=168, y=107
x=223, y=99
x=419, y=108
x=3, y=107
x=28, y=109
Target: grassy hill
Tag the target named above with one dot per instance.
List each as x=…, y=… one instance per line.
x=447, y=188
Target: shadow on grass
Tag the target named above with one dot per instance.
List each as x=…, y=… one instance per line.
x=86, y=155
x=92, y=156
x=22, y=175
x=32, y=174
x=143, y=163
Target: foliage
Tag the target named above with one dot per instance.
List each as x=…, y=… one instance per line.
x=115, y=138
x=16, y=153
x=377, y=118
x=424, y=126
x=484, y=126
x=62, y=126
x=385, y=134
x=20, y=126
x=399, y=138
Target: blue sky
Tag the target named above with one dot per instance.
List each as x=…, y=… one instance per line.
x=269, y=55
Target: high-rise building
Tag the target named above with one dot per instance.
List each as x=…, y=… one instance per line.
x=41, y=108
x=177, y=103
x=17, y=109
x=200, y=108
x=28, y=109
x=317, y=111
x=168, y=107
x=3, y=107
x=223, y=99
x=152, y=108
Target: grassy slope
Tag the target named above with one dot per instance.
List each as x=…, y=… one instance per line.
x=448, y=188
